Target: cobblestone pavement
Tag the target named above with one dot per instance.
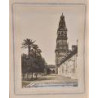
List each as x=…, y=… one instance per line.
x=52, y=80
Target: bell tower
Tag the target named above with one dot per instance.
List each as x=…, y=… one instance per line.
x=61, y=50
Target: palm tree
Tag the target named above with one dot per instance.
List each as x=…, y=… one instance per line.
x=27, y=44
x=35, y=47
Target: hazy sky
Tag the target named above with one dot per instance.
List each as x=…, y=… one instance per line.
x=40, y=23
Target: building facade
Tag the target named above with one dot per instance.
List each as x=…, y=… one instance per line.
x=68, y=66
x=65, y=59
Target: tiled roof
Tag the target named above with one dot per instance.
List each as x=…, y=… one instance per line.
x=72, y=53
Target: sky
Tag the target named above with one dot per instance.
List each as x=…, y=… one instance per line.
x=40, y=23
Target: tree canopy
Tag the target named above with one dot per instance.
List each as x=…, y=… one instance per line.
x=33, y=62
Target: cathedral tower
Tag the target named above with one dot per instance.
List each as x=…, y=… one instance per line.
x=61, y=42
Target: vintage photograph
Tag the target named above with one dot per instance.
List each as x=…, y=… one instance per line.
x=49, y=46
x=37, y=72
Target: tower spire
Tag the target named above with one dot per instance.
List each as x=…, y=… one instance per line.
x=62, y=24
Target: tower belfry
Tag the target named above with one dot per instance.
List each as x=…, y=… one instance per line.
x=61, y=41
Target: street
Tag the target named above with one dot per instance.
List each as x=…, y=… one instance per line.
x=52, y=80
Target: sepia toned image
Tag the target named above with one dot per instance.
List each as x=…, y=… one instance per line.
x=37, y=72
x=48, y=48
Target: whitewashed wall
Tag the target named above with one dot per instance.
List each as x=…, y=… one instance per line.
x=69, y=67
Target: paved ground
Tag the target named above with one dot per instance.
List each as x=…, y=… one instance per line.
x=52, y=80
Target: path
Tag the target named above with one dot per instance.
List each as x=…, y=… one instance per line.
x=52, y=81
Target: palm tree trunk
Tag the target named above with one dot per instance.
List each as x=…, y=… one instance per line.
x=35, y=53
x=32, y=75
x=29, y=48
x=27, y=76
x=36, y=75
